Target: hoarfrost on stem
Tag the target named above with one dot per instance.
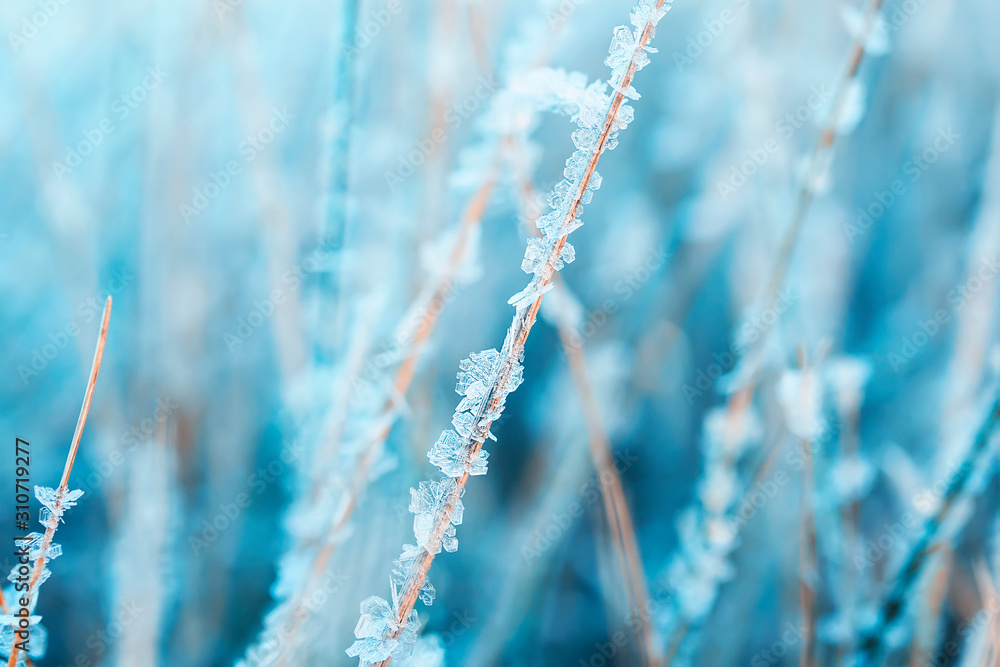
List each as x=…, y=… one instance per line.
x=486, y=378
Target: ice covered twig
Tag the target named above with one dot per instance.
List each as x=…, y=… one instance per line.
x=57, y=501
x=600, y=118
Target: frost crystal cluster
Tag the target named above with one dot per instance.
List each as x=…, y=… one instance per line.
x=37, y=549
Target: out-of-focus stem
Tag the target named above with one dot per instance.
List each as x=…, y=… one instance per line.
x=817, y=160
x=892, y=606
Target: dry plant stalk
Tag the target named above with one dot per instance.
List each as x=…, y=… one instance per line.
x=615, y=507
x=50, y=530
x=471, y=218
x=513, y=346
x=818, y=158
x=808, y=565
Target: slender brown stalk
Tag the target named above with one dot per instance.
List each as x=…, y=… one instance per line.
x=987, y=592
x=471, y=218
x=808, y=567
x=818, y=157
x=807, y=561
x=50, y=529
x=513, y=348
x=615, y=506
x=930, y=612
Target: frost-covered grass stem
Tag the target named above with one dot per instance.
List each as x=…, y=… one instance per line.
x=506, y=372
x=818, y=159
x=53, y=520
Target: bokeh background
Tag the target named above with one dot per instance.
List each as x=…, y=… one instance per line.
x=295, y=205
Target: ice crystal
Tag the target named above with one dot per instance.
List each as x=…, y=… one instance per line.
x=528, y=295
x=39, y=636
x=374, y=629
x=55, y=504
x=536, y=254
x=465, y=424
x=450, y=453
x=622, y=50
x=428, y=502
x=479, y=368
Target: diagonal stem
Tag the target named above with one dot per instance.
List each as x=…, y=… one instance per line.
x=50, y=529
x=513, y=348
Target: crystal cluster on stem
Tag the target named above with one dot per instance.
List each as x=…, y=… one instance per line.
x=38, y=549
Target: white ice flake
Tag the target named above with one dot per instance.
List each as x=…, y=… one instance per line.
x=428, y=502
x=378, y=621
x=451, y=452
